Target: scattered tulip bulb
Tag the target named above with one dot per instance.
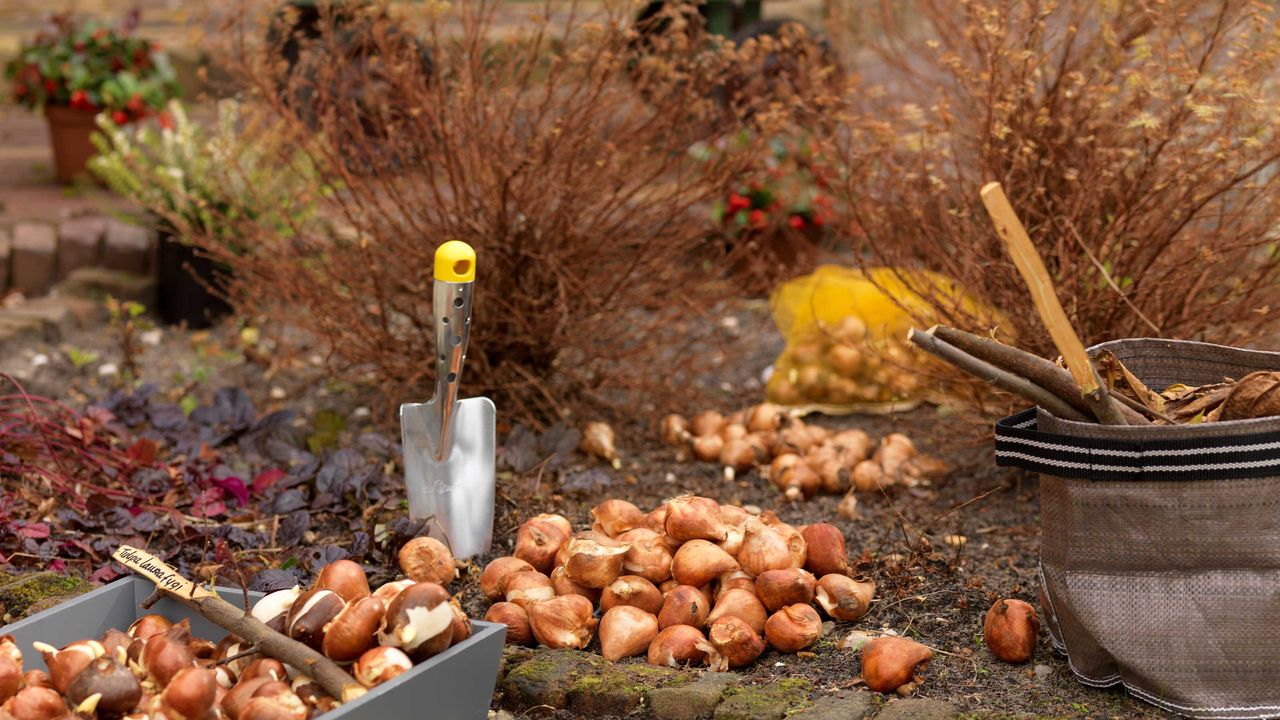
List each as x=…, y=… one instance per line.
x=36, y=703
x=707, y=448
x=677, y=646
x=563, y=622
x=66, y=663
x=763, y=549
x=10, y=677
x=117, y=688
x=617, y=516
x=564, y=585
x=706, y=423
x=525, y=588
x=802, y=459
x=426, y=559
x=741, y=604
x=684, y=605
x=632, y=590
x=539, y=539
x=843, y=598
x=790, y=586
x=352, y=632
x=311, y=614
x=273, y=607
x=1011, y=629
x=597, y=440
x=647, y=555
x=825, y=553
x=698, y=562
x=495, y=573
x=690, y=517
x=626, y=631
x=890, y=662
x=516, y=620
x=593, y=562
x=732, y=643
x=674, y=430
x=793, y=628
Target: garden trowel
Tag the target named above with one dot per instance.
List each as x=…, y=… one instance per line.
x=449, y=443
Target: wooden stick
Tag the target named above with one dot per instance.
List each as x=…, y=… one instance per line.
x=1032, y=367
x=1033, y=271
x=239, y=622
x=927, y=341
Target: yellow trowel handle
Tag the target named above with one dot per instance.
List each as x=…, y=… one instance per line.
x=455, y=274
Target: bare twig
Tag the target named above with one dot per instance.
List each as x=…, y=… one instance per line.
x=1014, y=383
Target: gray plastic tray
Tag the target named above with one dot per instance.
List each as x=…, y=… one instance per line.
x=457, y=684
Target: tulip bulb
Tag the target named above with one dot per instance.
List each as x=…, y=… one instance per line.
x=598, y=441
x=496, y=572
x=684, y=605
x=732, y=643
x=10, y=678
x=763, y=549
x=516, y=620
x=738, y=454
x=380, y=664
x=419, y=621
x=698, y=562
x=1011, y=629
x=626, y=631
x=676, y=646
x=647, y=555
x=793, y=628
x=66, y=663
x=674, y=430
x=353, y=631
x=563, y=622
x=825, y=552
x=36, y=703
x=735, y=580
x=563, y=585
x=732, y=431
x=539, y=538
x=690, y=517
x=742, y=604
x=707, y=448
x=765, y=417
x=707, y=422
x=634, y=591
x=525, y=588
x=890, y=662
x=798, y=481
x=426, y=559
x=843, y=598
x=868, y=476
x=617, y=516
x=848, y=508
x=780, y=588
x=347, y=578
x=594, y=563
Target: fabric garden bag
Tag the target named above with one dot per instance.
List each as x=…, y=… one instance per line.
x=1160, y=550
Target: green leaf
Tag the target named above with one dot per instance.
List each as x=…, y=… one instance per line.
x=188, y=403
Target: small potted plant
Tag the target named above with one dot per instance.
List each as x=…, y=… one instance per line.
x=203, y=183
x=75, y=69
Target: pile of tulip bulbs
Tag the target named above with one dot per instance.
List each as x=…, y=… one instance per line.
x=693, y=582
x=800, y=459
x=156, y=669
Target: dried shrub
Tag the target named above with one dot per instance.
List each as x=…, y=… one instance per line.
x=1136, y=140
x=565, y=155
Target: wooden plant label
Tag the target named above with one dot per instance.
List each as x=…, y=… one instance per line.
x=158, y=572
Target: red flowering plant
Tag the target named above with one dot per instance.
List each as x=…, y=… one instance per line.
x=777, y=214
x=90, y=66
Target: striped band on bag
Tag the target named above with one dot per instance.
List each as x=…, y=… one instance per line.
x=1019, y=444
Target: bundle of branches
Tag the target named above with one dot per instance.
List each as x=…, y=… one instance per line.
x=563, y=149
x=1137, y=140
x=1097, y=388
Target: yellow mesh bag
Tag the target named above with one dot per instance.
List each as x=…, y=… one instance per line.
x=846, y=339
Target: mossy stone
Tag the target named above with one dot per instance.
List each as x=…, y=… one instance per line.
x=769, y=702
x=22, y=595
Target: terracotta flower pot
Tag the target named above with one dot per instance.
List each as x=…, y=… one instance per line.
x=69, y=133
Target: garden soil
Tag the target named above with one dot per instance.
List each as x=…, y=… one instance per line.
x=940, y=554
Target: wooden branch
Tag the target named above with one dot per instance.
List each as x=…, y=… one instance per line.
x=1033, y=271
x=1032, y=367
x=1005, y=380
x=239, y=622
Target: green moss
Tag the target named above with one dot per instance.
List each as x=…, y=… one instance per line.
x=788, y=694
x=18, y=593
